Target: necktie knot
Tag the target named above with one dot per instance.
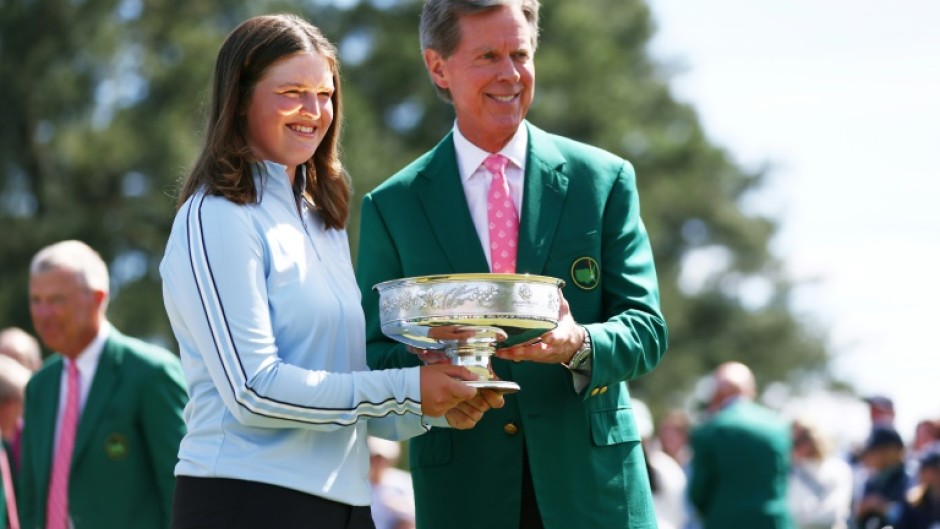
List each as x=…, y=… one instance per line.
x=496, y=164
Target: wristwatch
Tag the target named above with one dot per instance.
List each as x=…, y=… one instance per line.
x=583, y=354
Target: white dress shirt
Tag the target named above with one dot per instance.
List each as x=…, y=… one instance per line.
x=476, y=185
x=87, y=363
x=476, y=179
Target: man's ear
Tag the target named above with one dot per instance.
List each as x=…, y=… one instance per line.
x=99, y=295
x=435, y=65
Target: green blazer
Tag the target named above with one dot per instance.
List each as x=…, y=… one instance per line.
x=740, y=463
x=126, y=445
x=580, y=222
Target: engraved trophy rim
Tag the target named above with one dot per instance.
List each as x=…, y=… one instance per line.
x=468, y=277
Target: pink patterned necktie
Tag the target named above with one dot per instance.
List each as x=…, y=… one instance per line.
x=57, y=508
x=502, y=217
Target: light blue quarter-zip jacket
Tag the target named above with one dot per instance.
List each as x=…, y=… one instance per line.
x=264, y=304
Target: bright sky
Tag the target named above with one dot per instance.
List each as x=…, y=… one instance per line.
x=843, y=98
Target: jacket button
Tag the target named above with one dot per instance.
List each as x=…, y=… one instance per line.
x=595, y=391
x=603, y=389
x=510, y=428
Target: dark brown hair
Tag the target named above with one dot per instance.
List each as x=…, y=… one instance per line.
x=224, y=165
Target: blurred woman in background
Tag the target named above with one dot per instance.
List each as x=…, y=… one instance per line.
x=820, y=483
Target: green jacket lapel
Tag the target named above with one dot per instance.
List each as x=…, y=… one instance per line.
x=441, y=194
x=102, y=388
x=44, y=422
x=545, y=189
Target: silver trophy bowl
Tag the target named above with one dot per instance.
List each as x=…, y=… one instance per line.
x=468, y=316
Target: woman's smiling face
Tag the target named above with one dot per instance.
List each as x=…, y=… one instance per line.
x=290, y=110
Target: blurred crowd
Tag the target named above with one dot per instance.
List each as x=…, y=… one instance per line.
x=880, y=481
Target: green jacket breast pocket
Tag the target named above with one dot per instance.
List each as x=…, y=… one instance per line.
x=613, y=426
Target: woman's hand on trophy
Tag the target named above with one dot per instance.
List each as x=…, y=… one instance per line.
x=442, y=389
x=430, y=356
x=554, y=347
x=443, y=334
x=467, y=414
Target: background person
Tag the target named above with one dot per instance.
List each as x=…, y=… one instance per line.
x=880, y=410
x=668, y=481
x=22, y=347
x=884, y=491
x=820, y=484
x=921, y=508
x=393, y=497
x=740, y=457
x=260, y=292
x=881, y=414
x=573, y=213
x=926, y=439
x=13, y=379
x=673, y=436
x=103, y=417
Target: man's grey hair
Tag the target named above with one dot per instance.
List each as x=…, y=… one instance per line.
x=440, y=27
x=74, y=256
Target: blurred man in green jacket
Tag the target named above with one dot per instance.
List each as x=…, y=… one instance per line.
x=740, y=458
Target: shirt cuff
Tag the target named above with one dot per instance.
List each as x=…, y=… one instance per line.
x=438, y=422
x=581, y=377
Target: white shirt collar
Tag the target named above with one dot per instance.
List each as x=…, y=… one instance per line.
x=270, y=175
x=87, y=364
x=470, y=157
x=87, y=360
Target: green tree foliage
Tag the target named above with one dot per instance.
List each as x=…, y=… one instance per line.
x=103, y=105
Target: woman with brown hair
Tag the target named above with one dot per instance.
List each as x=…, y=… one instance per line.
x=260, y=291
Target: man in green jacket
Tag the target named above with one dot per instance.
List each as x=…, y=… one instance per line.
x=740, y=458
x=122, y=397
x=564, y=451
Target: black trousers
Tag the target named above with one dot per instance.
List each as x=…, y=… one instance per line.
x=219, y=503
x=530, y=517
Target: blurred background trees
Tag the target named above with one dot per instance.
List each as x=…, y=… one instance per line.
x=103, y=113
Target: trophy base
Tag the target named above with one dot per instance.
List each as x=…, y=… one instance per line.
x=499, y=386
